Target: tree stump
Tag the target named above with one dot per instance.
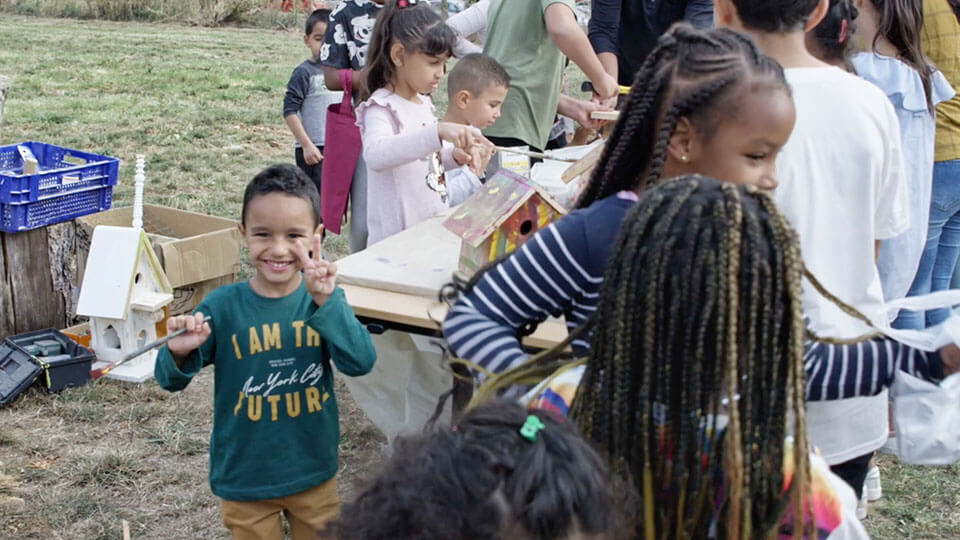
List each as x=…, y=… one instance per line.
x=37, y=272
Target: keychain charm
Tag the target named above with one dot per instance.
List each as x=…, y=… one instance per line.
x=435, y=179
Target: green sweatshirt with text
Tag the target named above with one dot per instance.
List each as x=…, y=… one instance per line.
x=275, y=422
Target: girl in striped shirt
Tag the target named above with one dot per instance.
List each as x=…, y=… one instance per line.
x=704, y=102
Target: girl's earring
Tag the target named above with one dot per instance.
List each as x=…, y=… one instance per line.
x=683, y=158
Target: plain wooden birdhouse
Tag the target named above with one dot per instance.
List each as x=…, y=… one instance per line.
x=124, y=293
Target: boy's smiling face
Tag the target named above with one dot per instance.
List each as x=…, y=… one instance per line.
x=274, y=222
x=314, y=40
x=481, y=111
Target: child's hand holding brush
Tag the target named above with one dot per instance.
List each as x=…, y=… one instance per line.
x=197, y=331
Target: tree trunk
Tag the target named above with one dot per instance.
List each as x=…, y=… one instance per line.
x=36, y=279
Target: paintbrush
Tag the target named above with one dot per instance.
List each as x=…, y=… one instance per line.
x=98, y=373
x=587, y=86
x=541, y=155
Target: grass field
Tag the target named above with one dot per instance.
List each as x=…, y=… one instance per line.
x=204, y=106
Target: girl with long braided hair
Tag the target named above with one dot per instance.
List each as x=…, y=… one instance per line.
x=704, y=102
x=700, y=368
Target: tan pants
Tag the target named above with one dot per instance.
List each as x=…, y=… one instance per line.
x=307, y=512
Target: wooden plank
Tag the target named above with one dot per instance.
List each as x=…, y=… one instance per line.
x=584, y=165
x=417, y=261
x=428, y=313
x=605, y=115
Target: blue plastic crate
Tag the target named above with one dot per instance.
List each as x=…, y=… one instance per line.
x=68, y=184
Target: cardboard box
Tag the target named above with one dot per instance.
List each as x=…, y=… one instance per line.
x=199, y=253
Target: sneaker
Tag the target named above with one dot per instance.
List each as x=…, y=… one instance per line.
x=862, y=506
x=871, y=485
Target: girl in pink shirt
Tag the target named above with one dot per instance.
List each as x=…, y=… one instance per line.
x=402, y=147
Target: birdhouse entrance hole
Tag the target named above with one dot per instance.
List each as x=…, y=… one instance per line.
x=142, y=337
x=526, y=227
x=110, y=338
x=136, y=278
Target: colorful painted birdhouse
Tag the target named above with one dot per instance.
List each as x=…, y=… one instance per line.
x=500, y=216
x=124, y=292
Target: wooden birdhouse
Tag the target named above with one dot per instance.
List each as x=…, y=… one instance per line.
x=500, y=216
x=124, y=293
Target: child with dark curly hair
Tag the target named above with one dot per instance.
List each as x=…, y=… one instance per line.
x=501, y=472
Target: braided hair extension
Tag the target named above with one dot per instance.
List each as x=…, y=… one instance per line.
x=691, y=73
x=702, y=319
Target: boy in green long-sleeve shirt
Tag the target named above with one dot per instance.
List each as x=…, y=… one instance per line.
x=273, y=450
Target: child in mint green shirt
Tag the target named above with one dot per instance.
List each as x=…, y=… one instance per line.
x=273, y=339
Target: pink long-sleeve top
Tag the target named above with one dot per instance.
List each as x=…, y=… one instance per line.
x=399, y=139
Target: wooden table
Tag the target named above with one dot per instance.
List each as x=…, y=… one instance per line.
x=396, y=281
x=417, y=313
x=394, y=285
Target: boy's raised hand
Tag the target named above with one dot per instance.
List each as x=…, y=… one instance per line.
x=320, y=275
x=197, y=332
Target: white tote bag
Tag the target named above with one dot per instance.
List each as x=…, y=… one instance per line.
x=927, y=418
x=927, y=415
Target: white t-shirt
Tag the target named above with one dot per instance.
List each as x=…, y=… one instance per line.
x=842, y=186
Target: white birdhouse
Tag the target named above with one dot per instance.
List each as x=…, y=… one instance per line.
x=123, y=293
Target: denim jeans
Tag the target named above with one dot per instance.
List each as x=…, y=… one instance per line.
x=942, y=249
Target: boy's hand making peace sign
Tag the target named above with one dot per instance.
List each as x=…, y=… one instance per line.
x=320, y=275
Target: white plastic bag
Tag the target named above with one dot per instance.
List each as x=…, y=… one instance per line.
x=927, y=418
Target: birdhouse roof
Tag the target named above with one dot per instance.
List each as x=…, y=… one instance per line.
x=483, y=213
x=112, y=270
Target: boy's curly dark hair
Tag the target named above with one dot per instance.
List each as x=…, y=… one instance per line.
x=483, y=480
x=282, y=178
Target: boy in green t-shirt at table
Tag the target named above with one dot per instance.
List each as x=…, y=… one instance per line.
x=273, y=338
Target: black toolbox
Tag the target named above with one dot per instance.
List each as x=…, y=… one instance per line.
x=17, y=372
x=69, y=368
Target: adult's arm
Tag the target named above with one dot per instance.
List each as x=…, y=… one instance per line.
x=331, y=77
x=603, y=31
x=467, y=23
x=566, y=33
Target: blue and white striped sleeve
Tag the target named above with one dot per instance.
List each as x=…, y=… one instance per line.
x=863, y=369
x=547, y=275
